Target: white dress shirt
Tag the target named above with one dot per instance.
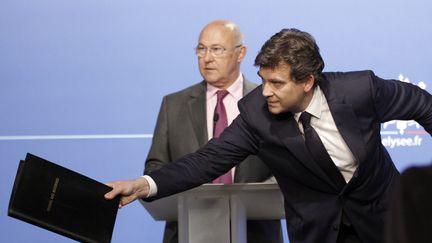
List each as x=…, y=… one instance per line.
x=323, y=123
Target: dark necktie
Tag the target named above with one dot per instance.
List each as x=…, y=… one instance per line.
x=220, y=123
x=318, y=151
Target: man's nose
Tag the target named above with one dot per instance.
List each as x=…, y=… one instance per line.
x=208, y=56
x=266, y=90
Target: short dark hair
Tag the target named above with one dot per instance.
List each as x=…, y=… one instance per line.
x=296, y=48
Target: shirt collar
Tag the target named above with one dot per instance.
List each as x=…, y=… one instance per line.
x=315, y=105
x=236, y=89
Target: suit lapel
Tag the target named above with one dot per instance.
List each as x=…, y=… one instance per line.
x=197, y=112
x=346, y=120
x=288, y=132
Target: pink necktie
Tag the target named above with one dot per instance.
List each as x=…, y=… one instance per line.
x=220, y=123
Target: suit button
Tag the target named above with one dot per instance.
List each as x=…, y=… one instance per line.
x=335, y=227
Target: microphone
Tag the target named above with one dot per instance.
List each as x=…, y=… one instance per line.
x=215, y=117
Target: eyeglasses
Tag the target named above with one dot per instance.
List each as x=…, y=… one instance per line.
x=216, y=50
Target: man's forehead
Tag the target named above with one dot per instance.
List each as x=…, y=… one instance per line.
x=210, y=45
x=216, y=36
x=280, y=68
x=213, y=42
x=282, y=72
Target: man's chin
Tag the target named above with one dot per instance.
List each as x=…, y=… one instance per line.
x=274, y=110
x=213, y=80
x=211, y=75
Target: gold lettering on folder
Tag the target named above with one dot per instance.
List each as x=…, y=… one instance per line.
x=52, y=196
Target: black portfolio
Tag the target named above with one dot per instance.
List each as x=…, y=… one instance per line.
x=63, y=201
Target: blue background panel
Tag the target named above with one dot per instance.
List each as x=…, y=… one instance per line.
x=81, y=81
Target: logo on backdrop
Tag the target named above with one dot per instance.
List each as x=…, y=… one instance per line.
x=398, y=133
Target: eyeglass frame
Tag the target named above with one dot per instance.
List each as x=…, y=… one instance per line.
x=204, y=49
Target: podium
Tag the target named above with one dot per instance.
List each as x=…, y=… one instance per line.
x=218, y=213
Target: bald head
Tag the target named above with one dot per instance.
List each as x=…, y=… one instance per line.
x=220, y=51
x=227, y=27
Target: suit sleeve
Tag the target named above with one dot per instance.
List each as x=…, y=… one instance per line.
x=396, y=100
x=159, y=155
x=214, y=159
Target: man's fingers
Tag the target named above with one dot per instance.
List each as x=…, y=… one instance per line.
x=114, y=192
x=125, y=200
x=128, y=190
x=109, y=195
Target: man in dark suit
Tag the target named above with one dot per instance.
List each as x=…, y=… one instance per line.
x=320, y=135
x=186, y=118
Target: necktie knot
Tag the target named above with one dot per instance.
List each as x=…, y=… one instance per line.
x=221, y=95
x=305, y=118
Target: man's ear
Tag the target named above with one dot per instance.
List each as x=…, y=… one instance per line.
x=309, y=83
x=242, y=54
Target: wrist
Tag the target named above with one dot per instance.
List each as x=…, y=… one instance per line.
x=141, y=187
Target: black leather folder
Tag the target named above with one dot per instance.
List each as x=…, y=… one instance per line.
x=63, y=201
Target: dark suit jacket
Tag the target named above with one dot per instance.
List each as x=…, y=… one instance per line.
x=314, y=203
x=182, y=129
